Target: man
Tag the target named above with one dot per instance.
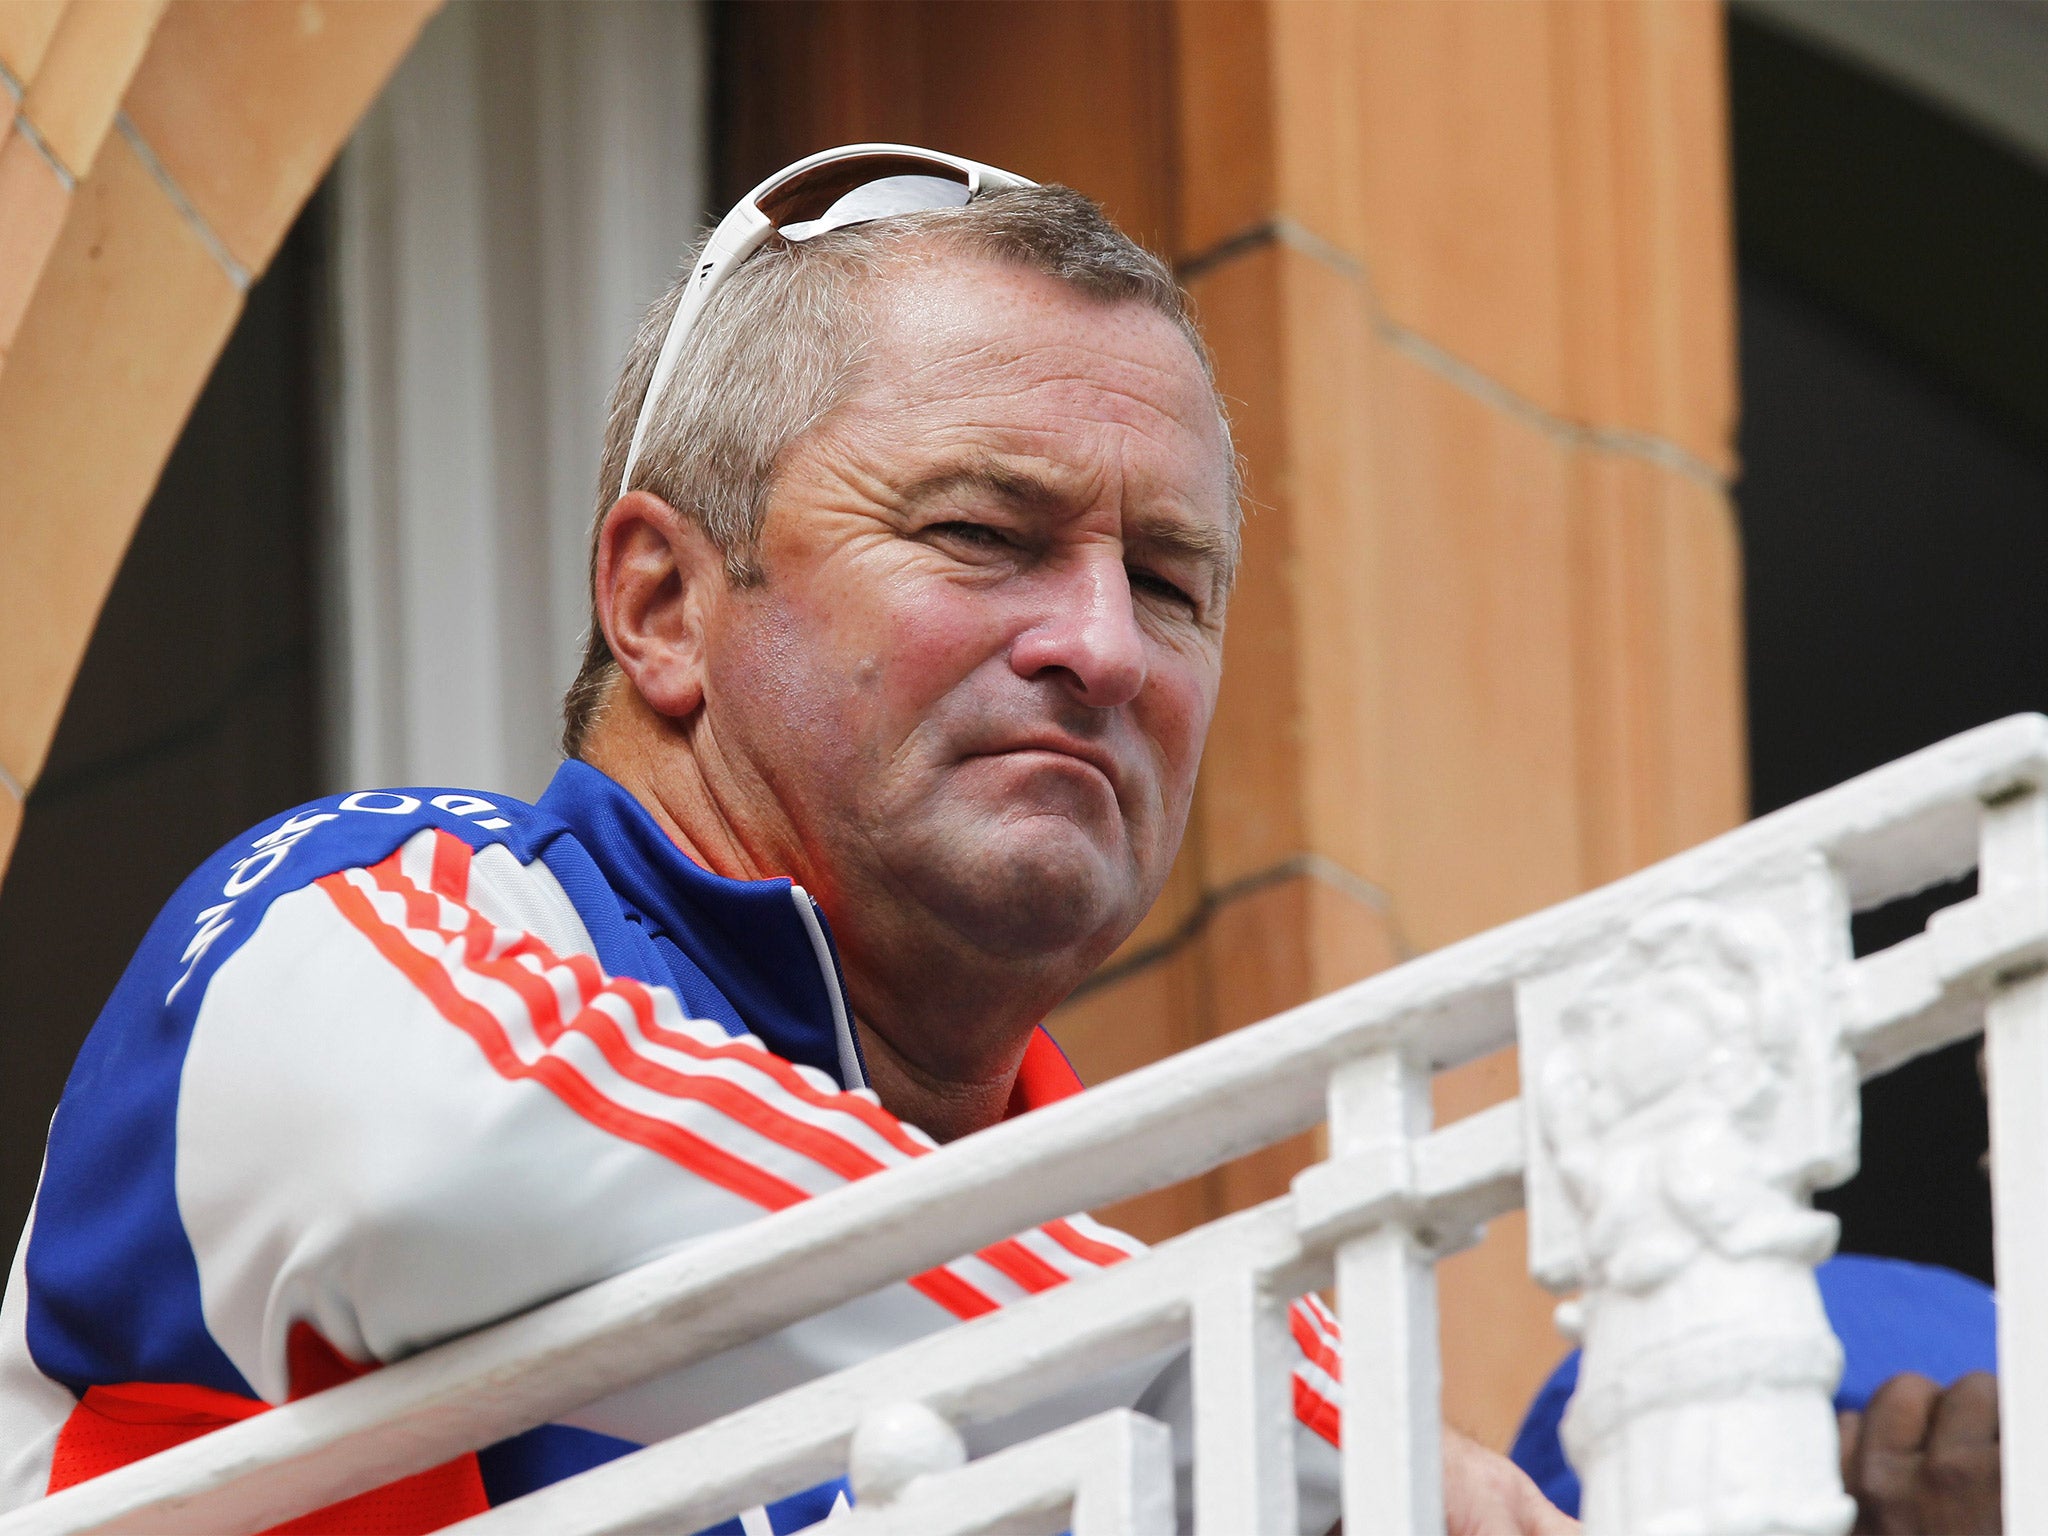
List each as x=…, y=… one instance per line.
x=908, y=585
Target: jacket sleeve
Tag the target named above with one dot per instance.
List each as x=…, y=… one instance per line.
x=413, y=1103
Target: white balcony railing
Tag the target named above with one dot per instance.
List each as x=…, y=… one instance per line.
x=1692, y=1039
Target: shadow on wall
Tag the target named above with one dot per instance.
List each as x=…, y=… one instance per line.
x=194, y=713
x=1894, y=505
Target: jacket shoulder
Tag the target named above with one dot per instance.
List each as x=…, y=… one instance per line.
x=220, y=904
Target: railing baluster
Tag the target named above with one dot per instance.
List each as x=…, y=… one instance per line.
x=2015, y=869
x=1244, y=1409
x=1386, y=1300
x=1128, y=1489
x=1708, y=1370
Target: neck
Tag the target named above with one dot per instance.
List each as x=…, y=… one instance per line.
x=655, y=760
x=943, y=1025
x=945, y=1108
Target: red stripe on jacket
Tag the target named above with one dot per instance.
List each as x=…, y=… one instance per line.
x=113, y=1426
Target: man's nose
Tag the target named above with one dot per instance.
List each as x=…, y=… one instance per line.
x=1088, y=636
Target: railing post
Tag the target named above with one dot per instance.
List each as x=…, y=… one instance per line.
x=2014, y=868
x=1686, y=1089
x=1244, y=1409
x=1386, y=1300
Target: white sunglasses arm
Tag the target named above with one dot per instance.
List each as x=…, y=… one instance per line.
x=739, y=234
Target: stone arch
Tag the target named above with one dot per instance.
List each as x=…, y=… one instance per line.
x=152, y=156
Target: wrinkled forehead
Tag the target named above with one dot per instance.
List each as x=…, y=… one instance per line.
x=1005, y=355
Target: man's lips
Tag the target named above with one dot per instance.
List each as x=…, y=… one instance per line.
x=1093, y=756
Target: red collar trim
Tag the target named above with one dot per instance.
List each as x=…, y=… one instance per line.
x=1045, y=1077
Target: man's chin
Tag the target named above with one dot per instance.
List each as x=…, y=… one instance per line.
x=1032, y=897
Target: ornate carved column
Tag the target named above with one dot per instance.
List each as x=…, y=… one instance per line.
x=1687, y=1090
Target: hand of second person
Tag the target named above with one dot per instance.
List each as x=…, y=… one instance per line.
x=1920, y=1461
x=1487, y=1495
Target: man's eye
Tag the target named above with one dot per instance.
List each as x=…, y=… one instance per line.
x=1159, y=587
x=976, y=535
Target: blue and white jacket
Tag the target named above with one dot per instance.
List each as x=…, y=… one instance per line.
x=404, y=1062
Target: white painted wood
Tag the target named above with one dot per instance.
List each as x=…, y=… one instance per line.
x=1111, y=1475
x=895, y=1444
x=971, y=1374
x=1244, y=1415
x=1392, y=1196
x=1393, y=1455
x=1463, y=1175
x=1386, y=1300
x=1127, y=1484
x=2014, y=873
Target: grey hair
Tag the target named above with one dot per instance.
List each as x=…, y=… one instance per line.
x=782, y=346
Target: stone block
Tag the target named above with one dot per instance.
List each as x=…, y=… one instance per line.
x=1538, y=189
x=1337, y=454
x=1252, y=767
x=1282, y=943
x=1399, y=690
x=1224, y=116
x=92, y=56
x=246, y=102
x=1648, y=253
x=1295, y=759
x=1074, y=91
x=32, y=205
x=26, y=27
x=1264, y=952
x=1259, y=953
x=1658, y=663
x=129, y=316
x=1495, y=1328
x=1472, y=659
x=1476, y=607
x=1099, y=111
x=1701, y=584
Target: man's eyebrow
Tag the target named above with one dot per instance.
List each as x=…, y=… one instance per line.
x=1157, y=531
x=1190, y=540
x=1177, y=536
x=1016, y=486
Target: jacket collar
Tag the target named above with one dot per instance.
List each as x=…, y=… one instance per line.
x=763, y=945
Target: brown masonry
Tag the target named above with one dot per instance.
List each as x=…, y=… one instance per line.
x=1466, y=271
x=1467, y=274
x=151, y=157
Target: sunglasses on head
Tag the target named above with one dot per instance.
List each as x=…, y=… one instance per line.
x=831, y=190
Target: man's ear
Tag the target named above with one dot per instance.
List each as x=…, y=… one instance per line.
x=657, y=576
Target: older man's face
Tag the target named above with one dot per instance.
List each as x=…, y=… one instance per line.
x=977, y=675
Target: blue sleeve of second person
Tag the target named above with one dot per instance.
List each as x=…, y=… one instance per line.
x=1892, y=1316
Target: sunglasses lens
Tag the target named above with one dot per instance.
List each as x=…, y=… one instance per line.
x=881, y=200
x=809, y=195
